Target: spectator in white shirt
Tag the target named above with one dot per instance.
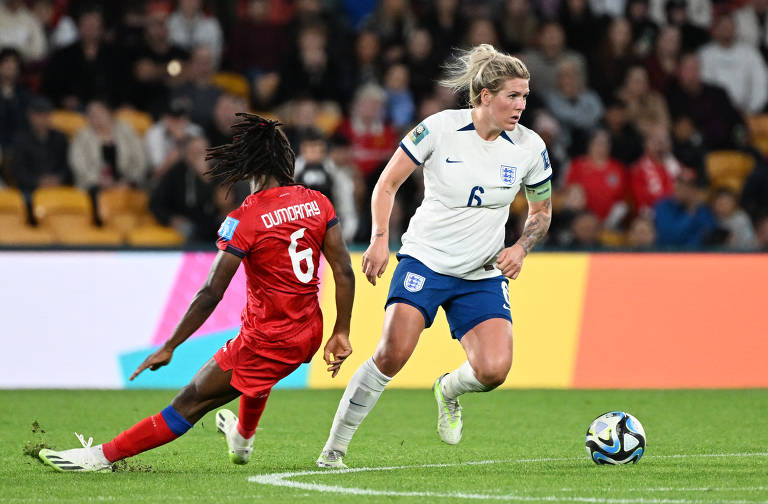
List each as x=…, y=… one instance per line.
x=189, y=27
x=735, y=66
x=20, y=29
x=165, y=139
x=752, y=25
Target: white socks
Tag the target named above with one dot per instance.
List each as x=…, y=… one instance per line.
x=358, y=400
x=460, y=381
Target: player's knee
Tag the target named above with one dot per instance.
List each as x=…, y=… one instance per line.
x=493, y=373
x=390, y=362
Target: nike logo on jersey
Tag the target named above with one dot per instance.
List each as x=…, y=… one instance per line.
x=449, y=160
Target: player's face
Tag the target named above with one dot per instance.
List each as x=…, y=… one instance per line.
x=508, y=104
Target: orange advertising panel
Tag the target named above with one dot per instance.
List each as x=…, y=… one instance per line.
x=674, y=320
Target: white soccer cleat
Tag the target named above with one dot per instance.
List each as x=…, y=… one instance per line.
x=239, y=448
x=331, y=459
x=449, y=424
x=86, y=459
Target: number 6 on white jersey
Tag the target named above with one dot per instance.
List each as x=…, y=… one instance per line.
x=300, y=255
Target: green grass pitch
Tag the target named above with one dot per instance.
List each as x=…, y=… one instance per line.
x=703, y=447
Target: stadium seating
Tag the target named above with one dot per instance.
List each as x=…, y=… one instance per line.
x=758, y=132
x=122, y=209
x=139, y=121
x=59, y=209
x=610, y=238
x=67, y=121
x=728, y=168
x=24, y=235
x=89, y=235
x=13, y=210
x=233, y=83
x=155, y=236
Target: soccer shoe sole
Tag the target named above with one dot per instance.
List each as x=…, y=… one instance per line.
x=222, y=417
x=51, y=459
x=442, y=409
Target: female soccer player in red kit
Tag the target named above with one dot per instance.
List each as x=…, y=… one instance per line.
x=278, y=233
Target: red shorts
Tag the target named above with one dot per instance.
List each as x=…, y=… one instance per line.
x=258, y=364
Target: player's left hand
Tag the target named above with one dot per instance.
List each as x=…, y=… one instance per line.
x=336, y=351
x=510, y=261
x=155, y=361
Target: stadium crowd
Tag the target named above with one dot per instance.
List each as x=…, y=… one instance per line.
x=653, y=111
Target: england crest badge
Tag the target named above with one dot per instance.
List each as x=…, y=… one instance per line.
x=413, y=282
x=508, y=174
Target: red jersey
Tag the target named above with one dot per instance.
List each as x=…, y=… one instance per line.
x=650, y=181
x=604, y=185
x=279, y=233
x=370, y=148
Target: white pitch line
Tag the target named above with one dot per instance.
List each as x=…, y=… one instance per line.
x=282, y=480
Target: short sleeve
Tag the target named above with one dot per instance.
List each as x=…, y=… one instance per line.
x=234, y=235
x=420, y=141
x=541, y=169
x=329, y=212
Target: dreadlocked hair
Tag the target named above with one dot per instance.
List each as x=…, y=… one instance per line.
x=258, y=149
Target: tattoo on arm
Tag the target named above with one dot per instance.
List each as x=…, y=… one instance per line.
x=536, y=227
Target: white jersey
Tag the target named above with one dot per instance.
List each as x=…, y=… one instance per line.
x=469, y=184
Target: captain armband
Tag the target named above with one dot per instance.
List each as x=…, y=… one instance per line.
x=539, y=192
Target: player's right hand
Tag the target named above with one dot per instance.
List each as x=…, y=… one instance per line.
x=336, y=351
x=375, y=259
x=155, y=361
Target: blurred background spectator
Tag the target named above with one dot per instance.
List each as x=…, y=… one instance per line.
x=733, y=221
x=39, y=153
x=186, y=199
x=190, y=27
x=603, y=179
x=576, y=107
x=683, y=219
x=642, y=234
x=652, y=176
x=87, y=68
x=628, y=96
x=106, y=153
x=14, y=97
x=165, y=138
x=735, y=66
x=21, y=30
x=156, y=64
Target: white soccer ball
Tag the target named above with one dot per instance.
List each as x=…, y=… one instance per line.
x=615, y=438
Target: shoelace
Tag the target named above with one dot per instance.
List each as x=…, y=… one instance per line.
x=333, y=455
x=82, y=440
x=453, y=408
x=89, y=451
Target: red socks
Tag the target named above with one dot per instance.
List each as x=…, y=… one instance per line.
x=169, y=424
x=251, y=409
x=147, y=434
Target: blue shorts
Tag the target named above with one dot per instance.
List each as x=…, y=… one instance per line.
x=466, y=302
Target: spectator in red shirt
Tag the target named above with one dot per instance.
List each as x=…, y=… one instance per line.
x=652, y=176
x=603, y=178
x=372, y=139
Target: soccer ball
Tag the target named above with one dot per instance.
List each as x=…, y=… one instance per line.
x=615, y=438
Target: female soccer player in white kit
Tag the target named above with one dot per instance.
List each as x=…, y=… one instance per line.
x=475, y=161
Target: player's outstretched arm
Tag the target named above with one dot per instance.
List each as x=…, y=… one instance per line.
x=335, y=251
x=398, y=169
x=510, y=261
x=224, y=267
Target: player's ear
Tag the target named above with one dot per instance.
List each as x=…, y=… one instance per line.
x=485, y=96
